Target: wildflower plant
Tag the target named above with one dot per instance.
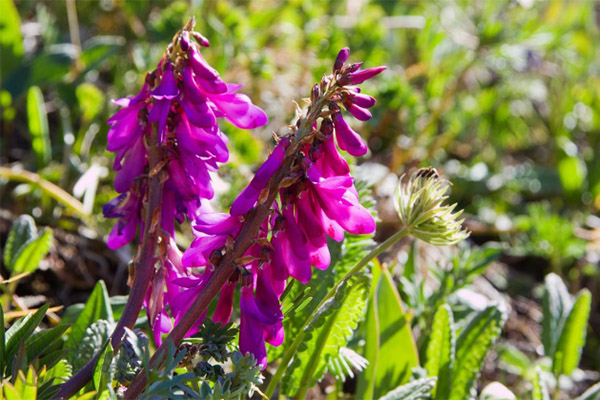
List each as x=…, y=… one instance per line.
x=300, y=214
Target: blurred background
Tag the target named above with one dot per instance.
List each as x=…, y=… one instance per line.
x=502, y=97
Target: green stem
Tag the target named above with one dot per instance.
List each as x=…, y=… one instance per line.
x=289, y=354
x=58, y=194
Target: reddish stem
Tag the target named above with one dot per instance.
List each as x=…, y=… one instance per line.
x=244, y=240
x=222, y=272
x=144, y=271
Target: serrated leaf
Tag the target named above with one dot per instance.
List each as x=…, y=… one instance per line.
x=10, y=393
x=556, y=305
x=416, y=390
x=93, y=341
x=593, y=393
x=572, y=338
x=472, y=345
x=26, y=386
x=97, y=307
x=540, y=391
x=327, y=334
x=40, y=341
x=390, y=347
x=38, y=126
x=441, y=351
x=20, y=331
x=31, y=253
x=21, y=231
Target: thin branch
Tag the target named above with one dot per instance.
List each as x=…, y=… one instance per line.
x=58, y=194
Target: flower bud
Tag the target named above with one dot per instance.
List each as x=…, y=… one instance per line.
x=341, y=58
x=202, y=41
x=420, y=206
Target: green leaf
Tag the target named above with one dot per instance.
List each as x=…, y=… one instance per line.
x=472, y=345
x=20, y=331
x=91, y=101
x=97, y=307
x=329, y=331
x=540, y=391
x=593, y=393
x=31, y=253
x=104, y=371
x=26, y=386
x=2, y=344
x=21, y=231
x=572, y=338
x=441, y=351
x=38, y=126
x=556, y=306
x=416, y=390
x=40, y=341
x=390, y=347
x=99, y=48
x=53, y=65
x=10, y=393
x=11, y=41
x=94, y=341
x=572, y=173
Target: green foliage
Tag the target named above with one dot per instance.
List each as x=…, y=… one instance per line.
x=16, y=336
x=94, y=340
x=104, y=373
x=441, y=350
x=472, y=345
x=25, y=248
x=390, y=347
x=328, y=331
x=564, y=324
x=38, y=126
x=213, y=339
x=11, y=41
x=549, y=235
x=416, y=390
x=572, y=337
x=96, y=308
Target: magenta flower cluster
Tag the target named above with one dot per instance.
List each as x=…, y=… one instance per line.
x=179, y=105
x=181, y=100
x=319, y=201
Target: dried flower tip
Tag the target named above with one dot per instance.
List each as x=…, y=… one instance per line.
x=420, y=204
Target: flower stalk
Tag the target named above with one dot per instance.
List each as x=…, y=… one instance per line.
x=245, y=239
x=144, y=268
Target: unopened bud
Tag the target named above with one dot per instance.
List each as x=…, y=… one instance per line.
x=202, y=41
x=314, y=94
x=420, y=204
x=341, y=58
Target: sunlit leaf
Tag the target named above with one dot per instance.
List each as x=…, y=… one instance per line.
x=38, y=126
x=390, y=347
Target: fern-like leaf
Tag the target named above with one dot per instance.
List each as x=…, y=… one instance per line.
x=416, y=390
x=329, y=331
x=471, y=347
x=441, y=350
